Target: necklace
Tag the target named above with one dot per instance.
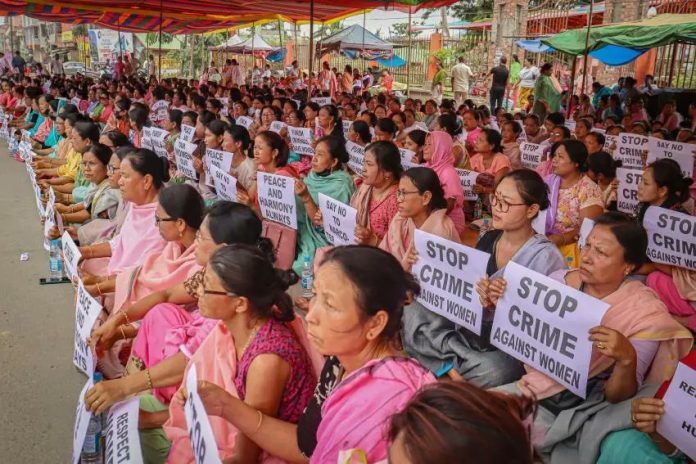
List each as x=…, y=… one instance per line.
x=252, y=335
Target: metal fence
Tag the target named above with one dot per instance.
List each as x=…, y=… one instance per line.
x=675, y=65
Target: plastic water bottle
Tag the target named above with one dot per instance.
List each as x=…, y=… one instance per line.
x=485, y=226
x=93, y=447
x=478, y=208
x=307, y=278
x=55, y=262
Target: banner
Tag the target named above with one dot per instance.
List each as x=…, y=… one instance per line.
x=183, y=154
x=468, y=180
x=277, y=198
x=87, y=311
x=244, y=121
x=121, y=436
x=82, y=417
x=356, y=157
x=339, y=221
x=671, y=237
x=631, y=150
x=187, y=133
x=627, y=192
x=545, y=324
x=683, y=153
x=218, y=158
x=71, y=256
x=448, y=273
x=225, y=184
x=200, y=432
x=530, y=154
x=322, y=101
x=678, y=423
x=301, y=139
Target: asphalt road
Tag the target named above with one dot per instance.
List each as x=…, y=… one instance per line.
x=38, y=383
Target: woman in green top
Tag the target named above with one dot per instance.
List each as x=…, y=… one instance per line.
x=439, y=83
x=547, y=93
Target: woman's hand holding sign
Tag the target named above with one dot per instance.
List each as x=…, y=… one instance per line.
x=613, y=344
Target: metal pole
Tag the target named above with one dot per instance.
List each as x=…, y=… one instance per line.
x=362, y=51
x=672, y=61
x=587, y=43
x=253, y=47
x=408, y=56
x=159, y=65
x=311, y=48
x=12, y=47
x=572, y=85
x=120, y=44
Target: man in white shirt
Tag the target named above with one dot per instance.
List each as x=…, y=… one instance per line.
x=56, y=67
x=461, y=73
x=151, y=66
x=528, y=76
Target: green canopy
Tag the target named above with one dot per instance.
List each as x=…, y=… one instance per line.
x=661, y=30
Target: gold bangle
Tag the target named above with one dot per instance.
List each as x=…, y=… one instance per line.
x=258, y=426
x=149, y=379
x=123, y=332
x=125, y=315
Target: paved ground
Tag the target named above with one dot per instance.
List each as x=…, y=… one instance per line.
x=38, y=383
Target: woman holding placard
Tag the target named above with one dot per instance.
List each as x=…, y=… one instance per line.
x=663, y=185
x=489, y=161
x=236, y=141
x=637, y=342
x=354, y=320
x=328, y=177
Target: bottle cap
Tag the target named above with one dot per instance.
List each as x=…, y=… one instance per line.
x=97, y=377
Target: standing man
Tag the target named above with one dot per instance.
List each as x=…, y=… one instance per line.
x=151, y=67
x=528, y=76
x=18, y=63
x=56, y=67
x=499, y=79
x=461, y=73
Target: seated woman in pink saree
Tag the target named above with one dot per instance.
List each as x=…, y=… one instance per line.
x=143, y=174
x=353, y=319
x=179, y=216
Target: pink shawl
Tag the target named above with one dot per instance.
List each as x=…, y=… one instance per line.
x=158, y=272
x=139, y=238
x=442, y=162
x=399, y=238
x=356, y=414
x=637, y=313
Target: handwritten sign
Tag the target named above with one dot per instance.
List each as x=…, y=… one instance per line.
x=627, y=193
x=545, y=324
x=199, y=429
x=301, y=139
x=356, y=157
x=468, y=180
x=277, y=126
x=671, y=237
x=187, y=133
x=530, y=154
x=87, y=310
x=339, y=221
x=447, y=273
x=346, y=127
x=322, y=101
x=225, y=184
x=682, y=153
x=678, y=423
x=82, y=417
x=122, y=438
x=71, y=255
x=277, y=198
x=159, y=138
x=245, y=121
x=183, y=155
x=218, y=158
x=631, y=150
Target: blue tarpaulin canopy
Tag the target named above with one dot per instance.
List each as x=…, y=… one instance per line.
x=394, y=62
x=612, y=55
x=277, y=56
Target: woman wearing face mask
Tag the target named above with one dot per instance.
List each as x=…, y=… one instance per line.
x=328, y=177
x=236, y=141
x=354, y=320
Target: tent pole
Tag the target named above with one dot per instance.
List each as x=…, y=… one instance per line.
x=253, y=37
x=193, y=54
x=311, y=48
x=321, y=38
x=587, y=43
x=280, y=36
x=408, y=57
x=120, y=44
x=572, y=85
x=362, y=51
x=159, y=64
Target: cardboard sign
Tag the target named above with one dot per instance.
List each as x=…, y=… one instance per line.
x=468, y=180
x=158, y=111
x=682, y=153
x=121, y=436
x=530, y=154
x=146, y=141
x=545, y=324
x=277, y=198
x=448, y=273
x=277, y=126
x=631, y=150
x=82, y=417
x=183, y=154
x=200, y=432
x=585, y=229
x=339, y=221
x=187, y=133
x=245, y=121
x=356, y=157
x=87, y=311
x=571, y=124
x=218, y=158
x=71, y=255
x=671, y=237
x=678, y=423
x=159, y=138
x=225, y=184
x=627, y=191
x=301, y=139
x=322, y=101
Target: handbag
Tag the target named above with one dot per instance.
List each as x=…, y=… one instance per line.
x=284, y=241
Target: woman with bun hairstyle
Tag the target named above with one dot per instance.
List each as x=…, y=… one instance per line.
x=601, y=168
x=663, y=185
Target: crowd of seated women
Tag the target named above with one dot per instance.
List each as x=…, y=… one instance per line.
x=361, y=370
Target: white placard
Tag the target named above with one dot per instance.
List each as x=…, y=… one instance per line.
x=468, y=179
x=277, y=198
x=671, y=237
x=49, y=218
x=610, y=143
x=539, y=222
x=146, y=141
x=200, y=432
x=121, y=436
x=678, y=423
x=277, y=126
x=340, y=220
x=407, y=158
x=571, y=124
x=225, y=184
x=448, y=273
x=545, y=324
x=82, y=417
x=159, y=138
x=585, y=229
x=71, y=255
x=187, y=133
x=322, y=101
x=218, y=158
x=87, y=311
x=627, y=191
x=682, y=153
x=159, y=134
x=183, y=154
x=530, y=154
x=301, y=139
x=158, y=111
x=356, y=157
x=346, y=127
x=244, y=121
x=225, y=111
x=630, y=150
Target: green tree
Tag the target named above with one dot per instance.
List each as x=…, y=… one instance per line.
x=402, y=30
